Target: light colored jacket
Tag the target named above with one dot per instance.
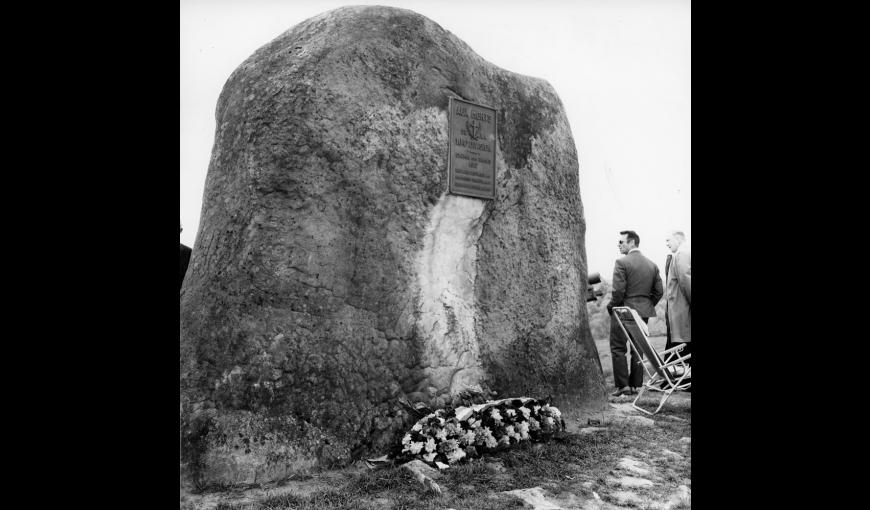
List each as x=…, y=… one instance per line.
x=678, y=292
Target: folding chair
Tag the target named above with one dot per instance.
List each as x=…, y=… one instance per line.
x=667, y=372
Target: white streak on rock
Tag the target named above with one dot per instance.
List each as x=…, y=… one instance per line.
x=446, y=269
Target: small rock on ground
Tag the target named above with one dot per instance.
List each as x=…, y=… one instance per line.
x=540, y=499
x=674, y=417
x=634, y=466
x=631, y=481
x=424, y=474
x=668, y=453
x=535, y=497
x=683, y=495
x=640, y=420
x=627, y=498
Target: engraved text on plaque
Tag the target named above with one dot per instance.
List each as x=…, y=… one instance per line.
x=471, y=164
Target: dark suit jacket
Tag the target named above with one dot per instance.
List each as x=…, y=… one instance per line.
x=637, y=284
x=185, y=260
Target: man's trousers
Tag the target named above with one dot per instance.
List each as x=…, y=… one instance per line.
x=618, y=352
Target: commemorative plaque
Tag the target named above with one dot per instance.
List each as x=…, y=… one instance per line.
x=471, y=162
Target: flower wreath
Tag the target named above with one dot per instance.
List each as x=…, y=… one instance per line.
x=445, y=437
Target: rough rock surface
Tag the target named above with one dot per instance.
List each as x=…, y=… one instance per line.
x=332, y=274
x=633, y=466
x=424, y=474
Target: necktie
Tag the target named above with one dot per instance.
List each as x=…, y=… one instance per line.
x=668, y=264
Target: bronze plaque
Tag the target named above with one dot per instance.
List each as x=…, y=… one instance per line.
x=471, y=163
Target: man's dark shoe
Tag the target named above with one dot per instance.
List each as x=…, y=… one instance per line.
x=633, y=391
x=621, y=391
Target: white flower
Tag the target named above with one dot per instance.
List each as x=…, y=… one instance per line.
x=536, y=409
x=511, y=413
x=534, y=425
x=505, y=440
x=449, y=445
x=455, y=455
x=480, y=435
x=484, y=436
x=453, y=429
x=407, y=439
x=441, y=435
x=417, y=427
x=467, y=438
x=523, y=428
x=509, y=431
x=429, y=457
x=496, y=415
x=525, y=411
x=416, y=447
x=430, y=445
x=473, y=423
x=549, y=420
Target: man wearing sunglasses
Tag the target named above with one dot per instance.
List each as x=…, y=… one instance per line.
x=637, y=285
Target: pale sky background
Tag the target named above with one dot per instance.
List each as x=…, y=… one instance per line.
x=622, y=69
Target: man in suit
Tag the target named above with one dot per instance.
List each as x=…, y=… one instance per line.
x=637, y=285
x=678, y=288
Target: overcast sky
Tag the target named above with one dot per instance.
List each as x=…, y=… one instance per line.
x=622, y=69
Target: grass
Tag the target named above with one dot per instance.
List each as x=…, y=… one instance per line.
x=578, y=464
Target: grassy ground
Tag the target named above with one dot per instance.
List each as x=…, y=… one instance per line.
x=579, y=467
x=580, y=470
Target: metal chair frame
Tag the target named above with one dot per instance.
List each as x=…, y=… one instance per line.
x=658, y=370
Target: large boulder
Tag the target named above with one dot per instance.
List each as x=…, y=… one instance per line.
x=333, y=275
